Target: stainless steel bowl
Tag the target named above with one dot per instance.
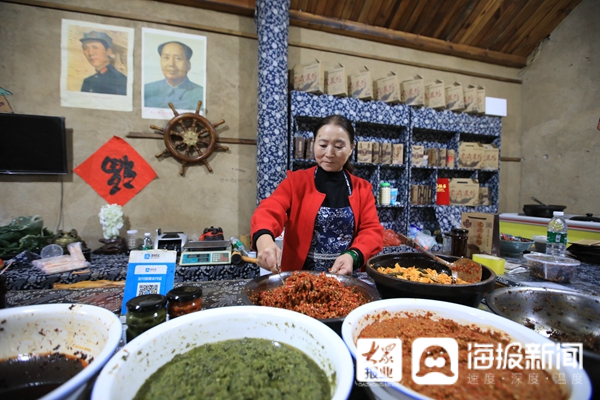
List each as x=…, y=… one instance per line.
x=273, y=281
x=545, y=309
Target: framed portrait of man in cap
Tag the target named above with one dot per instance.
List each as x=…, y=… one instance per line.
x=173, y=71
x=97, y=66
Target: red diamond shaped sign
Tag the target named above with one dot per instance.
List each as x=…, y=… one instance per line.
x=116, y=171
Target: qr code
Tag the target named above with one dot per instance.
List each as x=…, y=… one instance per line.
x=148, y=288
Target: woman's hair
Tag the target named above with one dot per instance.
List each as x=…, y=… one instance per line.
x=345, y=124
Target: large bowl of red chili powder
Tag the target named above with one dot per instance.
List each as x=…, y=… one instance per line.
x=462, y=352
x=323, y=296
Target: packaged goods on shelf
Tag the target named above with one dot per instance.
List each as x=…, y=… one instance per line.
x=336, y=81
x=299, y=145
x=464, y=192
x=443, y=192
x=491, y=156
x=435, y=96
x=397, y=153
x=442, y=159
x=364, y=153
x=455, y=100
x=420, y=194
x=480, y=99
x=361, y=85
x=387, y=89
x=417, y=155
x=413, y=91
x=470, y=155
x=433, y=155
x=385, y=156
x=376, y=153
x=470, y=99
x=309, y=78
x=450, y=158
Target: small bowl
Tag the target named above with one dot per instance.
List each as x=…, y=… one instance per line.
x=70, y=329
x=551, y=268
x=514, y=248
x=127, y=370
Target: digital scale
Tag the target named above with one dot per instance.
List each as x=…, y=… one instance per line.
x=206, y=252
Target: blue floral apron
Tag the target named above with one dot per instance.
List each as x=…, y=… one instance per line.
x=333, y=233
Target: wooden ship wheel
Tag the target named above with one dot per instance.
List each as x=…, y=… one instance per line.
x=190, y=138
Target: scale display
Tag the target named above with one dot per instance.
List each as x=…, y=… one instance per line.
x=205, y=257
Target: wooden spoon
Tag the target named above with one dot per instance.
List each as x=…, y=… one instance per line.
x=463, y=268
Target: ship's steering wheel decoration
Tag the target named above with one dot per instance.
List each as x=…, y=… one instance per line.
x=190, y=138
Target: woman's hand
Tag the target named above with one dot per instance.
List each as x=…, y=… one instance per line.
x=268, y=253
x=342, y=265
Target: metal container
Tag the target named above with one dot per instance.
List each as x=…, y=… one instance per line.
x=544, y=310
x=273, y=281
x=542, y=211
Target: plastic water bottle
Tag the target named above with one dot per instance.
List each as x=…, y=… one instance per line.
x=238, y=245
x=147, y=243
x=132, y=239
x=556, y=241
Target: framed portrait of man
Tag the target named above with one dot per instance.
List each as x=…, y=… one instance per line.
x=96, y=66
x=173, y=71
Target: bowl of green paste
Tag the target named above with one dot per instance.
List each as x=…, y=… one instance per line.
x=232, y=352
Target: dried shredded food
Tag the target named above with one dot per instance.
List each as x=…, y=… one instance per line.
x=472, y=383
x=422, y=275
x=318, y=296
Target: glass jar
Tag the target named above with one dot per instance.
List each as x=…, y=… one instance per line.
x=459, y=242
x=184, y=300
x=447, y=244
x=145, y=312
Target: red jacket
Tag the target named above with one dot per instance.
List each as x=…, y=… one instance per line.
x=295, y=204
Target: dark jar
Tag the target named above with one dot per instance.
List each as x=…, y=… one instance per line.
x=184, y=300
x=145, y=312
x=459, y=242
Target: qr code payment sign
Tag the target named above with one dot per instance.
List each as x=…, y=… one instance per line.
x=379, y=360
x=147, y=288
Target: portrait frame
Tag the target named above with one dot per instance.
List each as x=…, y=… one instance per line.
x=75, y=67
x=152, y=71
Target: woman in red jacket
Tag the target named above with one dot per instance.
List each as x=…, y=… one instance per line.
x=329, y=215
